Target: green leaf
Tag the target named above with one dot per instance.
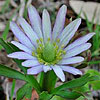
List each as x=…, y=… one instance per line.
x=80, y=98
x=12, y=49
x=6, y=46
x=68, y=94
x=83, y=89
x=93, y=72
x=57, y=98
x=76, y=82
x=12, y=89
x=28, y=95
x=93, y=62
x=45, y=96
x=26, y=89
x=77, y=86
x=11, y=73
x=40, y=78
x=73, y=83
x=33, y=82
x=95, y=84
x=25, y=12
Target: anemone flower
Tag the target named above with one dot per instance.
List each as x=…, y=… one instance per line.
x=44, y=49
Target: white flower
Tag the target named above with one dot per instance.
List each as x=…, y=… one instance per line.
x=44, y=49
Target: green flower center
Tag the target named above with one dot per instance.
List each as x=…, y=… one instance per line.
x=50, y=53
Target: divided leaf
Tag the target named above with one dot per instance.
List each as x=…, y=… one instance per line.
x=76, y=82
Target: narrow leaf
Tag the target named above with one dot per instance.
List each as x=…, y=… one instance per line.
x=11, y=73
x=68, y=94
x=24, y=90
x=45, y=96
x=73, y=83
x=9, y=50
x=76, y=82
x=12, y=89
x=33, y=82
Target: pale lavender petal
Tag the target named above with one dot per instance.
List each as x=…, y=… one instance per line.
x=28, y=30
x=22, y=47
x=77, y=50
x=35, y=70
x=20, y=35
x=59, y=72
x=69, y=32
x=35, y=20
x=46, y=25
x=59, y=23
x=80, y=41
x=46, y=68
x=30, y=63
x=20, y=55
x=71, y=70
x=71, y=60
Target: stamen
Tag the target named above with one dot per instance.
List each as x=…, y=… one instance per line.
x=48, y=39
x=49, y=59
x=33, y=53
x=38, y=50
x=62, y=46
x=37, y=41
x=41, y=40
x=58, y=40
x=64, y=52
x=41, y=45
x=54, y=43
x=56, y=47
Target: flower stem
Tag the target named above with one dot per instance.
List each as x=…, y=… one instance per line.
x=49, y=81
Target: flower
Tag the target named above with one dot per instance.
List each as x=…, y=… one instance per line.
x=44, y=49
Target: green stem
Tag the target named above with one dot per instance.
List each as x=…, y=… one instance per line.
x=40, y=78
x=49, y=81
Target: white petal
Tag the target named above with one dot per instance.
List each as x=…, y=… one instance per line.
x=30, y=63
x=59, y=23
x=20, y=35
x=46, y=23
x=77, y=50
x=80, y=41
x=71, y=70
x=58, y=71
x=35, y=70
x=28, y=30
x=21, y=55
x=22, y=47
x=69, y=32
x=71, y=60
x=35, y=20
x=46, y=68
